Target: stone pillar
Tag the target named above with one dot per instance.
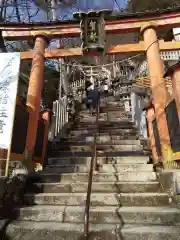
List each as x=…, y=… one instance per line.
x=133, y=105
x=159, y=91
x=150, y=115
x=63, y=77
x=35, y=90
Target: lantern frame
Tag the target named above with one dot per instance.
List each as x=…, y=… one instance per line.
x=92, y=25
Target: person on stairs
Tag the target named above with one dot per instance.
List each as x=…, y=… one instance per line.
x=105, y=89
x=92, y=99
x=88, y=85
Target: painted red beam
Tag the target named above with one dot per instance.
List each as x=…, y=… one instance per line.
x=119, y=49
x=56, y=30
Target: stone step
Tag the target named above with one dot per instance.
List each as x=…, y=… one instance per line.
x=108, y=147
x=103, y=115
x=103, y=160
x=56, y=144
x=106, y=177
x=150, y=215
x=106, y=110
x=104, y=118
x=114, y=113
x=100, y=153
x=105, y=132
x=104, y=106
x=112, y=131
x=98, y=199
x=127, y=215
x=112, y=102
x=27, y=230
x=103, y=111
x=105, y=137
x=109, y=168
x=99, y=187
x=105, y=123
x=137, y=232
x=101, y=127
x=85, y=114
x=111, y=108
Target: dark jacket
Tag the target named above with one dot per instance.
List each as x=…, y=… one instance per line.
x=92, y=97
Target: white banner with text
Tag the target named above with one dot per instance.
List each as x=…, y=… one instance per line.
x=9, y=77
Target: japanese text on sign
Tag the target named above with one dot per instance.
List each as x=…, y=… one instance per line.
x=9, y=75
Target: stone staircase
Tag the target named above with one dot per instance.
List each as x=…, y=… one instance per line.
x=127, y=202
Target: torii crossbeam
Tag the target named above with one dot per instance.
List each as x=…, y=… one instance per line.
x=71, y=29
x=119, y=49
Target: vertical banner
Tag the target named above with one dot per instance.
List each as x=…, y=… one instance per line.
x=9, y=76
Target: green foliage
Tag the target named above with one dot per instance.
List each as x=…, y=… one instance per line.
x=149, y=5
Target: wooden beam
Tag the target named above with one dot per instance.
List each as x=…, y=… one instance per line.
x=132, y=25
x=119, y=49
x=56, y=30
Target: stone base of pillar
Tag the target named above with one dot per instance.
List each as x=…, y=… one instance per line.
x=170, y=158
x=28, y=161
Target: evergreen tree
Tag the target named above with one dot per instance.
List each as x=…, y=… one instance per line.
x=151, y=5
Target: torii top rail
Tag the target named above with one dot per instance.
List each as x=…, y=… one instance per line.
x=114, y=25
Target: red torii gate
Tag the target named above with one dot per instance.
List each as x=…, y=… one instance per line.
x=146, y=25
x=71, y=29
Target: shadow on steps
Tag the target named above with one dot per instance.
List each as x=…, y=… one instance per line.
x=11, y=199
x=3, y=225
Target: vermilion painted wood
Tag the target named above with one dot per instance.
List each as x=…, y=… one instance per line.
x=119, y=49
x=60, y=29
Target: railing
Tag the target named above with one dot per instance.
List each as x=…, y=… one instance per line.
x=144, y=82
x=60, y=116
x=78, y=83
x=93, y=165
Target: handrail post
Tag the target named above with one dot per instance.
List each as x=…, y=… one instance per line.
x=93, y=165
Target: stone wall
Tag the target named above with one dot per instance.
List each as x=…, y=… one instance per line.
x=12, y=190
x=11, y=198
x=170, y=180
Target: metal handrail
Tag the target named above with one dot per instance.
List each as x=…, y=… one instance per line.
x=90, y=178
x=60, y=117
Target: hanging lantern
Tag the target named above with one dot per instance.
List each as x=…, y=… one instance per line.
x=92, y=27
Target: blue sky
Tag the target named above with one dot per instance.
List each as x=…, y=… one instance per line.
x=100, y=4
x=62, y=12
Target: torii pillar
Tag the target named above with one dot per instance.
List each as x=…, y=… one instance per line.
x=174, y=73
x=35, y=90
x=159, y=91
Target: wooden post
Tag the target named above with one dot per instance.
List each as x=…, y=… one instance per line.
x=159, y=91
x=150, y=114
x=174, y=73
x=35, y=90
x=46, y=118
